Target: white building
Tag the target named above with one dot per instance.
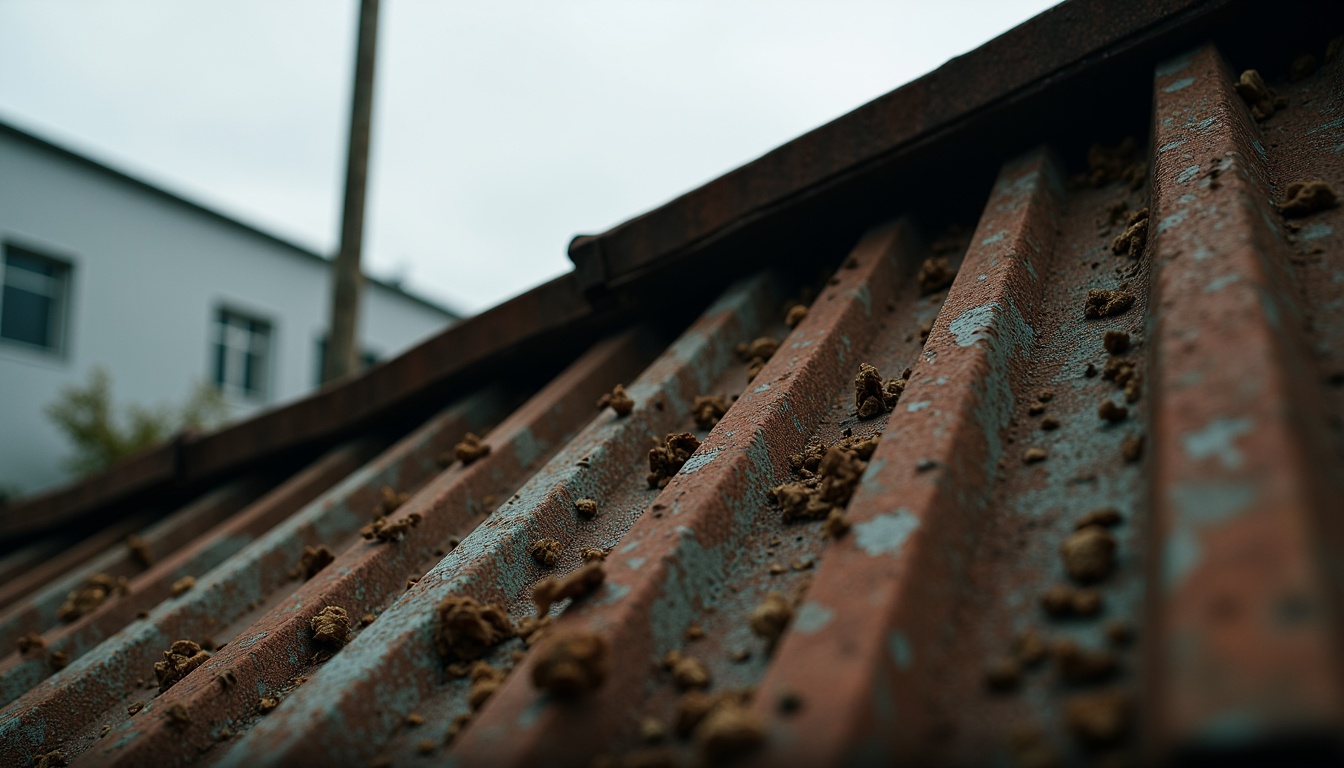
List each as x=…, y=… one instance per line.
x=101, y=269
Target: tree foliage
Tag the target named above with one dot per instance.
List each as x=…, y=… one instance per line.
x=88, y=418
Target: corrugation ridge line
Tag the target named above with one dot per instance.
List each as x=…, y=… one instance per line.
x=1244, y=647
x=367, y=576
x=358, y=699
x=914, y=513
x=95, y=682
x=20, y=672
x=667, y=566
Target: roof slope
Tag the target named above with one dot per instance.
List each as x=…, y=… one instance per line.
x=1079, y=508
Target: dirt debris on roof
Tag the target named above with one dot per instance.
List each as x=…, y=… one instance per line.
x=757, y=353
x=470, y=449
x=1107, y=303
x=468, y=629
x=53, y=759
x=729, y=730
x=1098, y=719
x=935, y=274
x=570, y=663
x=546, y=552
x=707, y=410
x=178, y=662
x=667, y=459
x=1122, y=162
x=314, y=559
x=828, y=476
x=183, y=586
x=619, y=402
x=30, y=641
x=140, y=551
x=1263, y=100
x=587, y=508
x=485, y=680
x=874, y=395
x=1132, y=241
x=551, y=590
x=331, y=627
x=97, y=589
x=1303, y=198
x=1089, y=554
x=796, y=314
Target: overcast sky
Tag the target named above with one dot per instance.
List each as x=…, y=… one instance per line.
x=500, y=128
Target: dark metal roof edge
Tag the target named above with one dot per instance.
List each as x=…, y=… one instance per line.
x=1083, y=32
x=145, y=186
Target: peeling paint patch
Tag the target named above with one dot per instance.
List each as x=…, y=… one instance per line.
x=760, y=389
x=1171, y=221
x=1170, y=146
x=1179, y=85
x=1218, y=439
x=1186, y=175
x=1316, y=231
x=886, y=534
x=1175, y=66
x=699, y=461
x=974, y=324
x=921, y=405
x=898, y=646
x=1219, y=283
x=812, y=617
x=995, y=238
x=1198, y=505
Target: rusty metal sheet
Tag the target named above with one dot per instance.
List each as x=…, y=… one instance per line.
x=172, y=560
x=1245, y=646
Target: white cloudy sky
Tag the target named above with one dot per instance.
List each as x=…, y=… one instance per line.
x=501, y=128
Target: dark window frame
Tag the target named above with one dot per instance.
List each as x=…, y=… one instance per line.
x=52, y=285
x=242, y=354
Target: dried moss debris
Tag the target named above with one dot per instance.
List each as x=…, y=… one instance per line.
x=1122, y=162
x=1061, y=600
x=1033, y=455
x=1078, y=665
x=1115, y=342
x=592, y=555
x=140, y=551
x=708, y=410
x=757, y=353
x=58, y=660
x=1303, y=198
x=571, y=663
x=550, y=591
x=52, y=759
x=1106, y=516
x=1003, y=675
x=795, y=315
x=178, y=661
x=728, y=731
x=829, y=475
x=771, y=617
x=688, y=672
x=836, y=524
x=1262, y=99
x=331, y=627
x=1029, y=649
x=874, y=395
x=183, y=585
x=1089, y=554
x=694, y=706
x=470, y=449
x=617, y=400
x=30, y=642
x=586, y=508
x=667, y=459
x=1131, y=242
x=1107, y=303
x=468, y=629
x=935, y=274
x=267, y=703
x=485, y=680
x=178, y=716
x=546, y=552
x=87, y=598
x=383, y=529
x=389, y=501
x=1098, y=719
x=1109, y=411
x=1131, y=448
x=313, y=560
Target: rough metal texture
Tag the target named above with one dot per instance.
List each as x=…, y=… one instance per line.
x=1079, y=540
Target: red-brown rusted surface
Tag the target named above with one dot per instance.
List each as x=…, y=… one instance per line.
x=1195, y=433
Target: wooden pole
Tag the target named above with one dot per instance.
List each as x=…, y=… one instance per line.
x=342, y=356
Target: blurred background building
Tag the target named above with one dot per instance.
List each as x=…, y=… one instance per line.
x=103, y=270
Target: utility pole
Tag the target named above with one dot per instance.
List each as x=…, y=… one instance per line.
x=342, y=356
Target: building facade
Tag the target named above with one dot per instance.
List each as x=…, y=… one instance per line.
x=101, y=270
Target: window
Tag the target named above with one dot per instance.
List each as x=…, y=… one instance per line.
x=33, y=300
x=242, y=355
x=367, y=359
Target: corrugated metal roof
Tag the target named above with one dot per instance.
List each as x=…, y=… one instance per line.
x=1074, y=506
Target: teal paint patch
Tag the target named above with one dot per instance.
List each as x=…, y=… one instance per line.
x=1173, y=220
x=527, y=448
x=974, y=324
x=531, y=713
x=921, y=405
x=760, y=389
x=864, y=297
x=1187, y=175
x=811, y=618
x=248, y=642
x=636, y=563
x=898, y=647
x=1203, y=253
x=1336, y=123
x=886, y=534
x=1174, y=66
x=997, y=237
x=698, y=461
x=1217, y=439
x=1316, y=231
x=1198, y=505
x=980, y=278
x=1170, y=146
x=1179, y=85
x=613, y=593
x=1219, y=283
